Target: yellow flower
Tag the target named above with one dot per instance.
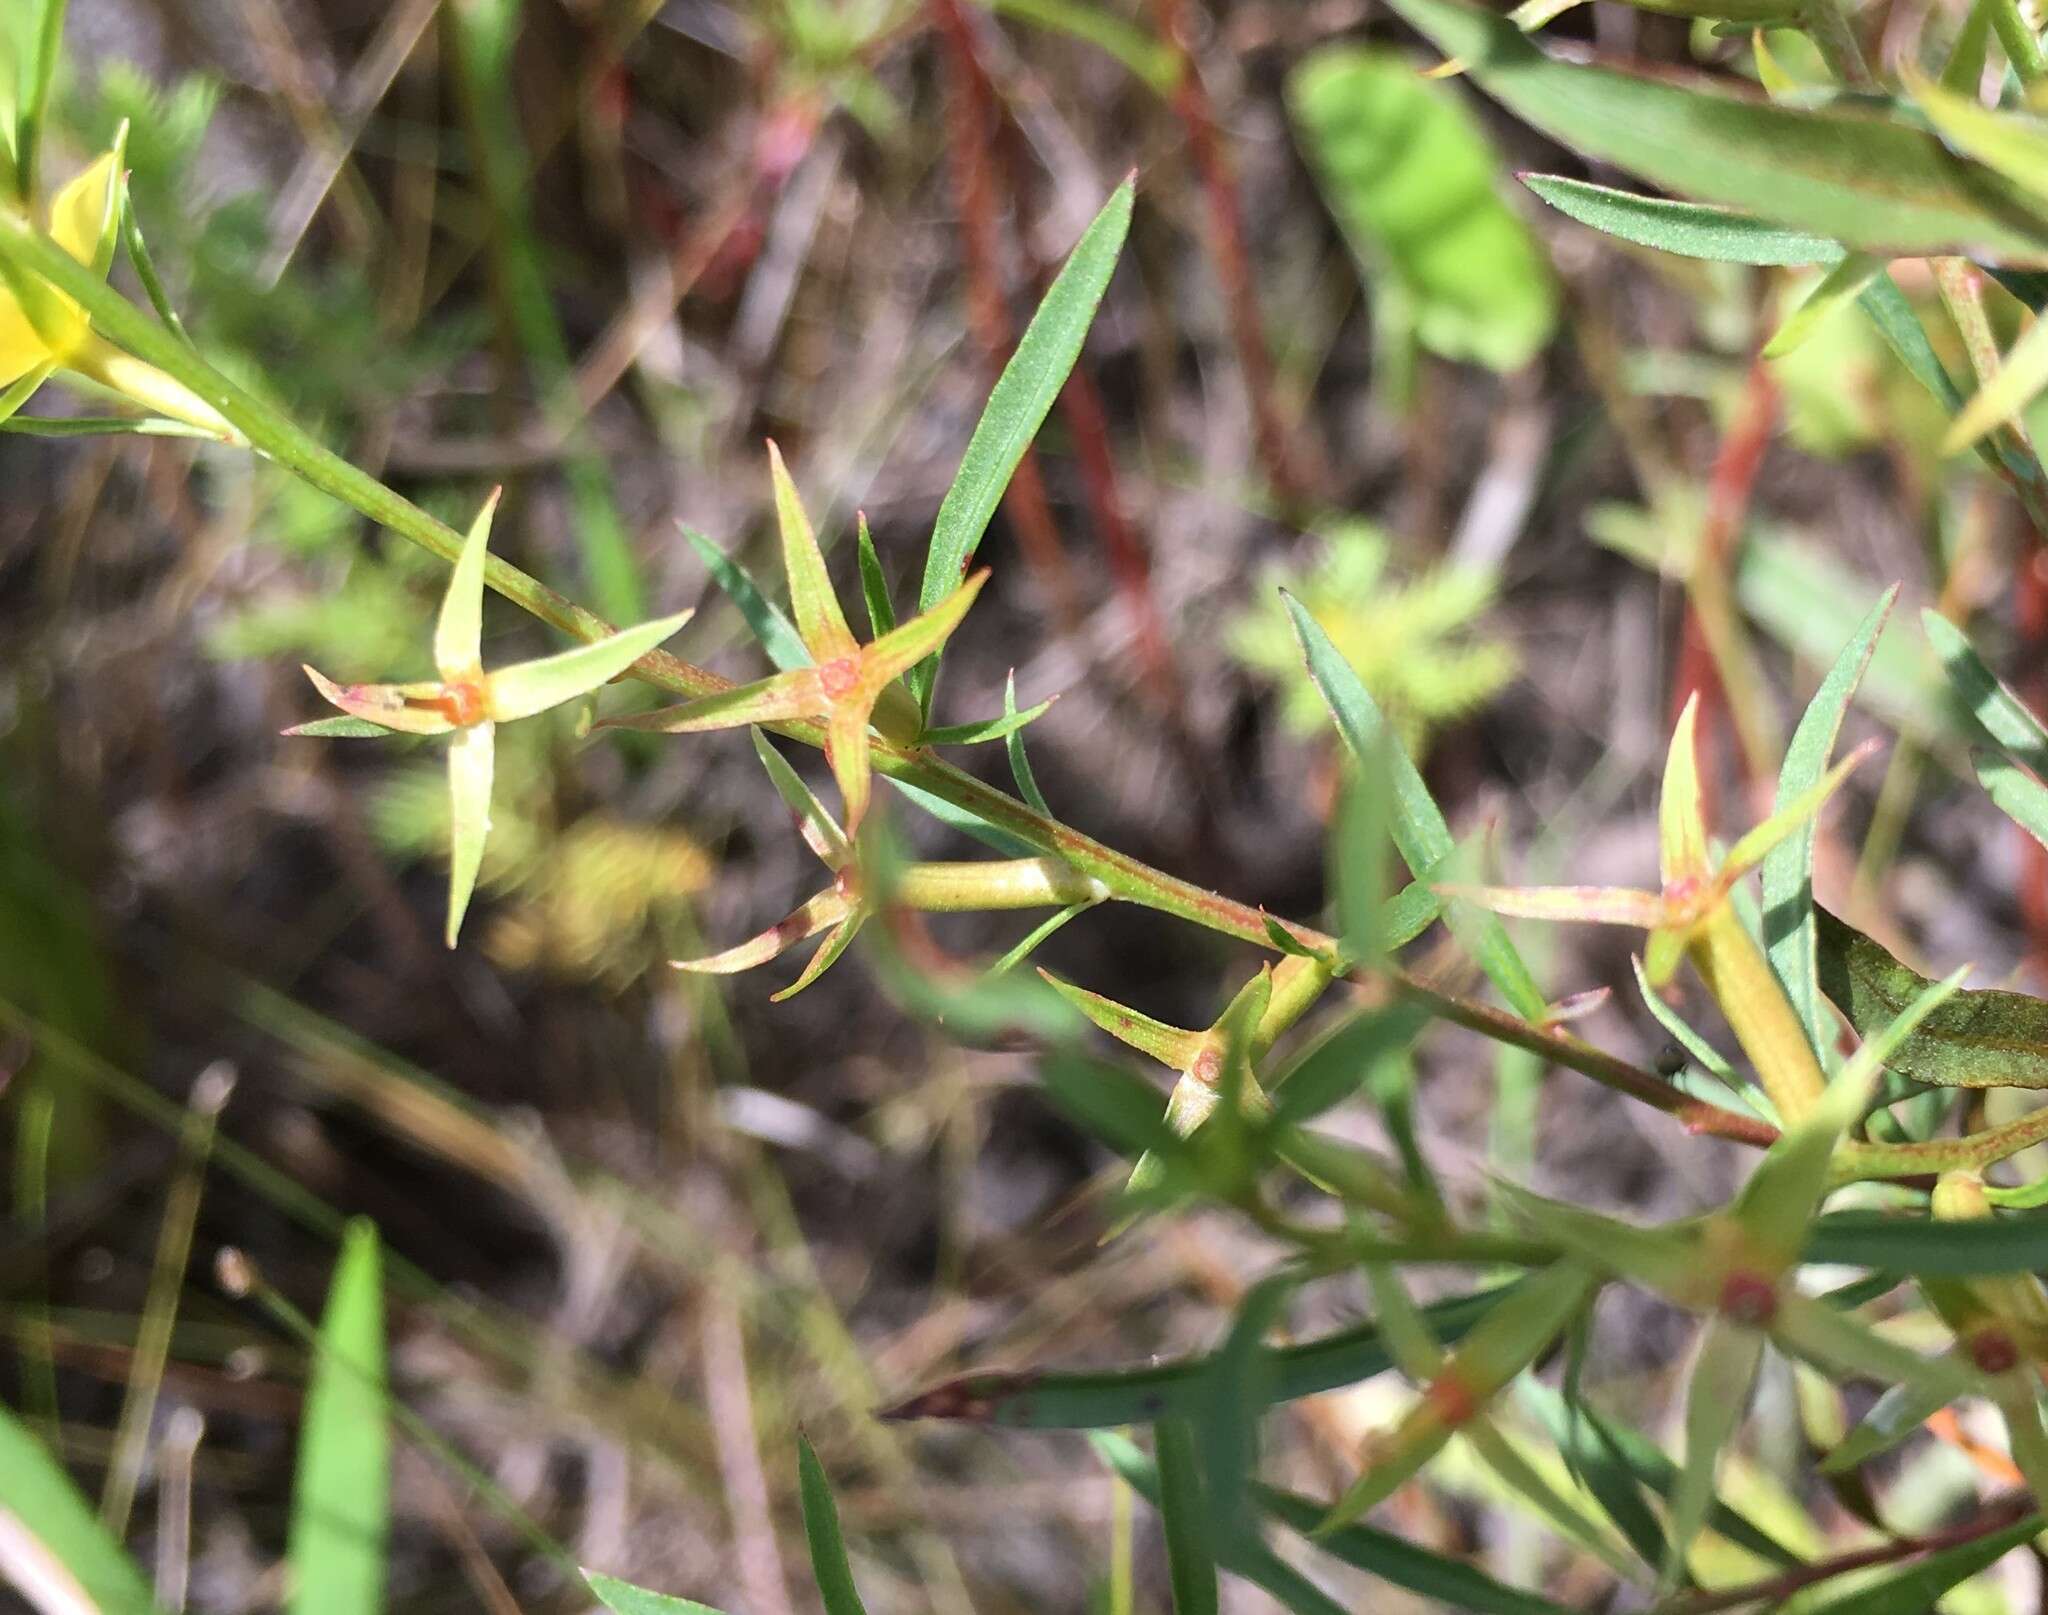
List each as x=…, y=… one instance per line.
x=43, y=331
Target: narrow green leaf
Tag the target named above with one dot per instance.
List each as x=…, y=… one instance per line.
x=1120, y=1109
x=521, y=690
x=874, y=585
x=1708, y=1057
x=1416, y=186
x=2018, y=795
x=38, y=73
x=825, y=837
x=821, y=1531
x=341, y=1499
x=777, y=634
x=1190, y=1563
x=471, y=760
x=1688, y=229
x=60, y=1524
x=1101, y=1400
x=1900, y=1411
x=2013, y=143
x=1982, y=1038
x=1418, y=826
x=458, y=631
x=1654, y=1469
x=1592, y=1457
x=1839, y=287
x=1243, y=1555
x=1920, y=1588
x=1846, y=171
x=1144, y=56
x=1341, y=1062
x=99, y=425
x=1924, y=1246
x=2017, y=382
x=2003, y=715
x=1037, y=935
x=1013, y=744
x=1446, y=1583
x=1789, y=929
x=623, y=1598
x=974, y=734
x=1240, y=1389
x=341, y=728
x=23, y=389
x=1017, y=407
x=1716, y=1397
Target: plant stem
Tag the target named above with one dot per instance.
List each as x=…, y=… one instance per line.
x=275, y=435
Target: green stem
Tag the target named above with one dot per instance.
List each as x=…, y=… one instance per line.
x=273, y=434
x=958, y=888
x=2022, y=46
x=1855, y=1160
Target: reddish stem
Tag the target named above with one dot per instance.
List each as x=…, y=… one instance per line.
x=1233, y=262
x=1729, y=486
x=970, y=130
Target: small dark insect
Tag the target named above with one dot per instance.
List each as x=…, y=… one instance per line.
x=1670, y=1060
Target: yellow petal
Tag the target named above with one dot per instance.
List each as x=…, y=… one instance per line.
x=21, y=349
x=79, y=216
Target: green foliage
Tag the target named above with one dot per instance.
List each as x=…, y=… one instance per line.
x=83, y=1560
x=1838, y=184
x=341, y=1500
x=1417, y=188
x=1417, y=643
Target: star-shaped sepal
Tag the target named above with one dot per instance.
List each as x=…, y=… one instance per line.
x=848, y=687
x=469, y=703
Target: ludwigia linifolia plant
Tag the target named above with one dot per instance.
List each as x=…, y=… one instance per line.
x=1848, y=1069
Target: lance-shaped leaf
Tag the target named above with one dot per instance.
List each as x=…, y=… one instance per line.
x=1855, y=173
x=777, y=634
x=1984, y=1038
x=1835, y=291
x=1895, y=1415
x=623, y=1598
x=1017, y=407
x=420, y=708
x=2016, y=793
x=820, y=833
x=1716, y=1397
x=1417, y=824
x=1511, y=1337
x=2019, y=379
x=1688, y=229
x=2014, y=143
x=1788, y=867
x=829, y=1566
x=2002, y=714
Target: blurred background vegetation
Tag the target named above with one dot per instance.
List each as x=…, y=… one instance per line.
x=643, y=1226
